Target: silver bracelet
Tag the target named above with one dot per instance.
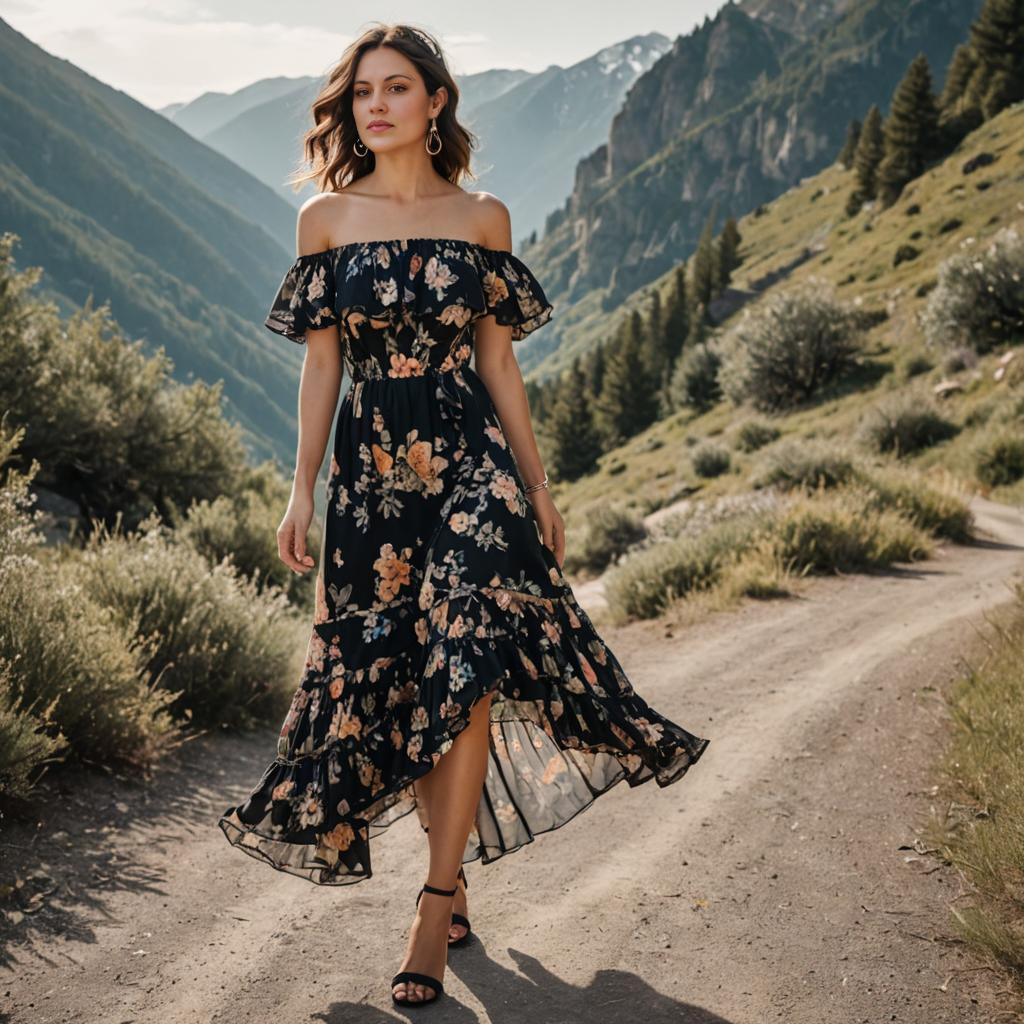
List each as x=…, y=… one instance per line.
x=537, y=487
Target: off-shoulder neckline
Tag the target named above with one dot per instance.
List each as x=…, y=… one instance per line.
x=406, y=242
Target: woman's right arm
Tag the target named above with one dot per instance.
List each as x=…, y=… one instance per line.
x=319, y=387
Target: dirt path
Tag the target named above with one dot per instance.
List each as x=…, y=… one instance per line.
x=771, y=883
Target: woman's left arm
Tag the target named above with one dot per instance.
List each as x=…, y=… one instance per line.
x=497, y=367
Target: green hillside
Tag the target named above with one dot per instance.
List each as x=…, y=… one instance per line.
x=805, y=233
x=117, y=203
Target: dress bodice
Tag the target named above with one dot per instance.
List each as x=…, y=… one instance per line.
x=403, y=306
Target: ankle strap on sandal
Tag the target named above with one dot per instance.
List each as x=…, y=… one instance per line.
x=440, y=892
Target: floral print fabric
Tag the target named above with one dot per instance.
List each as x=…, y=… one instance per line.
x=434, y=588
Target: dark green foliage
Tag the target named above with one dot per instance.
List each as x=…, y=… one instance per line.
x=905, y=253
x=754, y=434
x=611, y=531
x=849, y=150
x=110, y=428
x=911, y=132
x=905, y=424
x=728, y=254
x=575, y=439
x=704, y=269
x=789, y=347
x=710, y=459
x=997, y=39
x=627, y=404
x=999, y=460
x=695, y=378
x=866, y=159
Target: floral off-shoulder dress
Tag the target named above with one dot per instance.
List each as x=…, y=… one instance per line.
x=434, y=587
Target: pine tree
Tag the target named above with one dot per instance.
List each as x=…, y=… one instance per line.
x=656, y=353
x=911, y=131
x=866, y=160
x=703, y=286
x=595, y=372
x=627, y=402
x=575, y=443
x=997, y=39
x=958, y=75
x=677, y=315
x=728, y=254
x=849, y=149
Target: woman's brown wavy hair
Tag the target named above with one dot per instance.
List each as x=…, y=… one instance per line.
x=327, y=147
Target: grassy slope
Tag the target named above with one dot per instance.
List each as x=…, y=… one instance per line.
x=859, y=262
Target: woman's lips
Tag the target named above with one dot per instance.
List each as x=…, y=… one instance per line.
x=380, y=127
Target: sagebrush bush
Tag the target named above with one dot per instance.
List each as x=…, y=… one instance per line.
x=72, y=673
x=845, y=530
x=904, y=423
x=694, y=380
x=979, y=299
x=243, y=526
x=788, y=347
x=940, y=510
x=110, y=427
x=999, y=458
x=710, y=459
x=609, y=532
x=213, y=637
x=647, y=582
x=804, y=463
x=755, y=433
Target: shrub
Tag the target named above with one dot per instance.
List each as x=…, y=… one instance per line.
x=804, y=464
x=72, y=676
x=904, y=423
x=694, y=379
x=108, y=425
x=755, y=433
x=710, y=459
x=610, y=531
x=243, y=525
x=999, y=459
x=212, y=636
x=942, y=511
x=647, y=582
x=845, y=531
x=787, y=348
x=905, y=253
x=979, y=298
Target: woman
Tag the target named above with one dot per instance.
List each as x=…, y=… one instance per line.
x=450, y=670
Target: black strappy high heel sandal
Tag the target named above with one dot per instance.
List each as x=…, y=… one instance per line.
x=415, y=976
x=457, y=918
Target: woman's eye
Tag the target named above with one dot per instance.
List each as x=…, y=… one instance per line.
x=362, y=92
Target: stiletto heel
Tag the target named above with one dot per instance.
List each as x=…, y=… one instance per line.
x=457, y=918
x=415, y=976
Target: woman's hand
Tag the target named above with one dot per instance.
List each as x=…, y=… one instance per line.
x=291, y=534
x=549, y=521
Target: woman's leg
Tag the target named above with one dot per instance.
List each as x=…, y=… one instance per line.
x=451, y=791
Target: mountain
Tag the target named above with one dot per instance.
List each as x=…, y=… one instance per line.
x=212, y=110
x=118, y=203
x=533, y=135
x=532, y=128
x=801, y=18
x=734, y=114
x=265, y=137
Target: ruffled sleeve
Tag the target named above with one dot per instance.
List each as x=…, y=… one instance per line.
x=512, y=294
x=306, y=297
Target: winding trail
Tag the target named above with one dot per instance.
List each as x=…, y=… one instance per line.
x=776, y=881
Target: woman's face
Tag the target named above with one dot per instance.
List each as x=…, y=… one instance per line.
x=388, y=89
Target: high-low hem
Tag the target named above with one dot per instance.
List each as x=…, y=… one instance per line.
x=252, y=840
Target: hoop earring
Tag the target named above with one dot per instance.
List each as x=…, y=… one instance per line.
x=437, y=135
x=355, y=146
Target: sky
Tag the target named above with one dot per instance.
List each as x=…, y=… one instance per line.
x=166, y=51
